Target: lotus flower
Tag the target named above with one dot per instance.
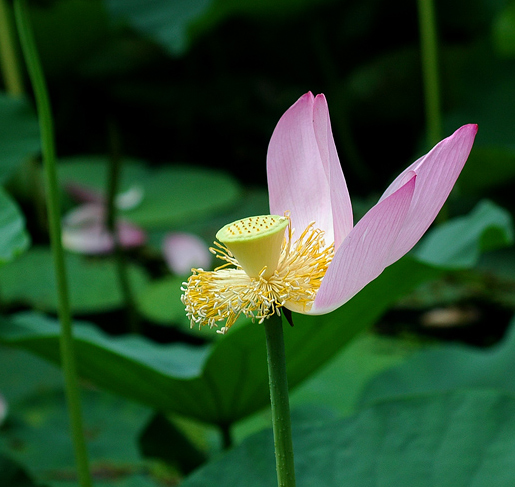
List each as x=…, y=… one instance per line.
x=308, y=256
x=84, y=227
x=85, y=231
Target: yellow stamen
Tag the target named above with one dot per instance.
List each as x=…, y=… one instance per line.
x=227, y=292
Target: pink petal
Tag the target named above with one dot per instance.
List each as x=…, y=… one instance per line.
x=364, y=254
x=90, y=240
x=126, y=200
x=340, y=198
x=184, y=251
x=304, y=173
x=83, y=215
x=130, y=235
x=84, y=231
x=436, y=173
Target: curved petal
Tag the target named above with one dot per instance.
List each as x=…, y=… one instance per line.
x=339, y=194
x=363, y=255
x=90, y=240
x=303, y=170
x=436, y=172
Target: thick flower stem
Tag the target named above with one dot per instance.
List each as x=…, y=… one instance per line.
x=52, y=191
x=279, y=401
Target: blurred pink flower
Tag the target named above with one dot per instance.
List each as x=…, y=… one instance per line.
x=84, y=227
x=183, y=251
x=126, y=200
x=331, y=259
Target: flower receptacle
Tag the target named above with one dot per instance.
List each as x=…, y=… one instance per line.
x=255, y=242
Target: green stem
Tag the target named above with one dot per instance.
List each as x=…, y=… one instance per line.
x=13, y=78
x=429, y=54
x=225, y=430
x=279, y=401
x=49, y=161
x=121, y=262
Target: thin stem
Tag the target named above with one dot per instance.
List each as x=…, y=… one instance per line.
x=225, y=430
x=429, y=52
x=121, y=262
x=279, y=401
x=49, y=161
x=13, y=78
x=428, y=39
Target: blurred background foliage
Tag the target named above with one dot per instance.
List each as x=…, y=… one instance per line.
x=205, y=81
x=187, y=93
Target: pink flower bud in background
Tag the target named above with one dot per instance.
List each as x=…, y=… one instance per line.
x=131, y=198
x=85, y=231
x=182, y=251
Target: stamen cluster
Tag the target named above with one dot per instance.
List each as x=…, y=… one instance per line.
x=227, y=292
